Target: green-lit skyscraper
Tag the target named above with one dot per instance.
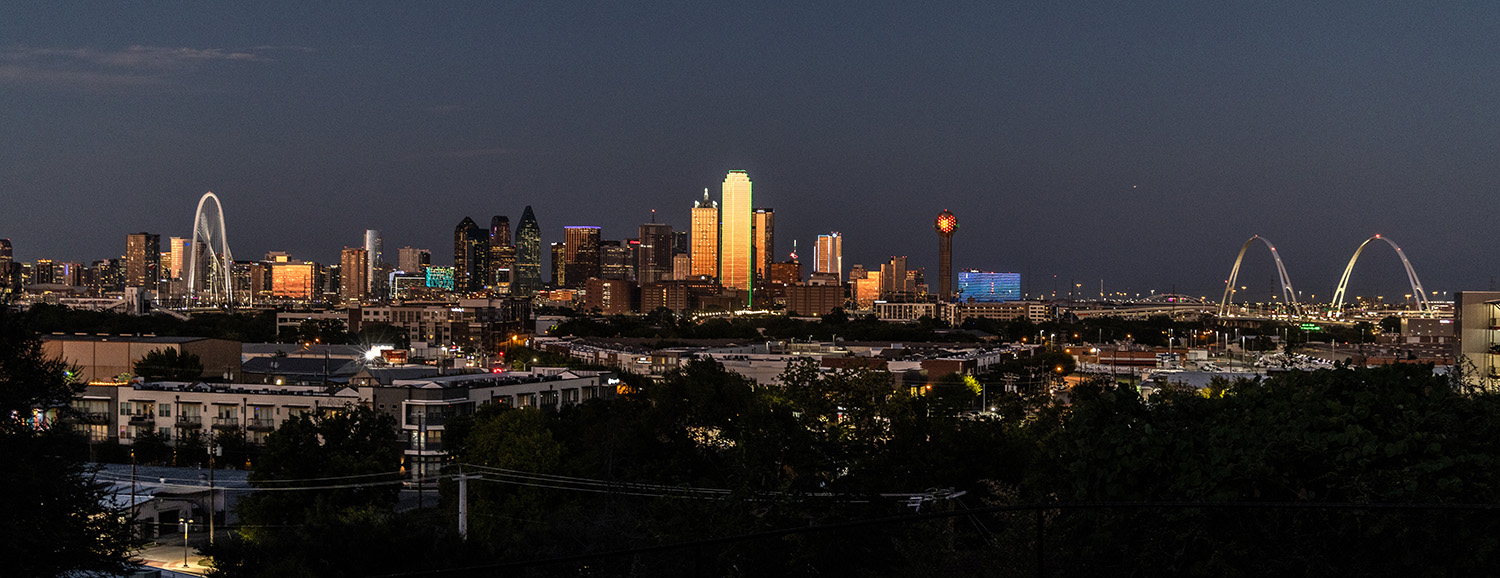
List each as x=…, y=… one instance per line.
x=528, y=272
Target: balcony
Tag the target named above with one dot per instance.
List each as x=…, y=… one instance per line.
x=92, y=417
x=431, y=446
x=226, y=423
x=189, y=421
x=143, y=418
x=260, y=424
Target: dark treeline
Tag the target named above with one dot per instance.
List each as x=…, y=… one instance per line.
x=829, y=448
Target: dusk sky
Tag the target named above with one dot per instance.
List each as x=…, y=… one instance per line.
x=1140, y=143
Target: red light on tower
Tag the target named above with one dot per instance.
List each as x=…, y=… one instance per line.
x=945, y=225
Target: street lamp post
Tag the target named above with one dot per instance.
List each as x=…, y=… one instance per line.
x=185, y=523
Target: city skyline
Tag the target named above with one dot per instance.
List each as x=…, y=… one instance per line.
x=1135, y=145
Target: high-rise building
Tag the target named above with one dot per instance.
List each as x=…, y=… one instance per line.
x=945, y=225
x=9, y=271
x=681, y=244
x=354, y=266
x=502, y=256
x=682, y=266
x=705, y=237
x=893, y=278
x=294, y=280
x=581, y=256
x=736, y=269
x=763, y=235
x=178, y=247
x=375, y=255
x=559, y=263
x=142, y=260
x=470, y=249
x=412, y=260
x=528, y=270
x=654, y=258
x=828, y=255
x=784, y=272
x=985, y=286
x=615, y=262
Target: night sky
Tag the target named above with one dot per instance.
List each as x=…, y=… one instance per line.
x=1140, y=143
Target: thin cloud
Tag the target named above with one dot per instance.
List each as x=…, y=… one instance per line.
x=466, y=153
x=90, y=68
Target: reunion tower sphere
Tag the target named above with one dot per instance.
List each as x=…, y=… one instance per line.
x=945, y=225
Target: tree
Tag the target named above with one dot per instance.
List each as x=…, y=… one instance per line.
x=56, y=519
x=343, y=523
x=168, y=364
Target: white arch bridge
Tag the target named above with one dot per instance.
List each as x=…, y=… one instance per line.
x=1290, y=296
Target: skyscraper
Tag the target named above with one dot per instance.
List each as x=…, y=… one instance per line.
x=763, y=227
x=581, y=256
x=8, y=269
x=705, y=237
x=142, y=260
x=654, y=259
x=354, y=266
x=828, y=255
x=528, y=270
x=559, y=263
x=178, y=247
x=735, y=267
x=501, y=274
x=945, y=225
x=374, y=256
x=470, y=247
x=414, y=261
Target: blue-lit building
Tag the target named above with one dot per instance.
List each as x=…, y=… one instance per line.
x=986, y=286
x=440, y=277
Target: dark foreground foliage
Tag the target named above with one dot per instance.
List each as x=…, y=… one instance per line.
x=1336, y=472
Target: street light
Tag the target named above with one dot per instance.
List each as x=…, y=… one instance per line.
x=185, y=524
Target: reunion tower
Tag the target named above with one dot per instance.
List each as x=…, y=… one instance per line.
x=945, y=224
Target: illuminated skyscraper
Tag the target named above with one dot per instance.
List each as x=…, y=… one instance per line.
x=470, y=249
x=354, y=265
x=828, y=255
x=945, y=225
x=705, y=237
x=177, y=247
x=654, y=258
x=763, y=232
x=581, y=256
x=528, y=270
x=735, y=256
x=374, y=255
x=502, y=255
x=142, y=260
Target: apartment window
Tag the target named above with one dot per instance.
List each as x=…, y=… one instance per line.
x=126, y=408
x=166, y=410
x=166, y=433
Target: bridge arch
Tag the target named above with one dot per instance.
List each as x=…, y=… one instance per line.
x=1411, y=275
x=1286, y=283
x=210, y=265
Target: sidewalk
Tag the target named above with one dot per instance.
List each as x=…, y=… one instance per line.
x=167, y=555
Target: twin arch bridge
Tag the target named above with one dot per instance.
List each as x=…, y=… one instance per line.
x=1290, y=296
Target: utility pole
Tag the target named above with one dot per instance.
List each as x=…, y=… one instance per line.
x=421, y=447
x=132, y=487
x=463, y=503
x=213, y=499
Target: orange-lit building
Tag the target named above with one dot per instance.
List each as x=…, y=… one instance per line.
x=704, y=237
x=735, y=256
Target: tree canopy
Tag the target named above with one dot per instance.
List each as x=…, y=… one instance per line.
x=57, y=521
